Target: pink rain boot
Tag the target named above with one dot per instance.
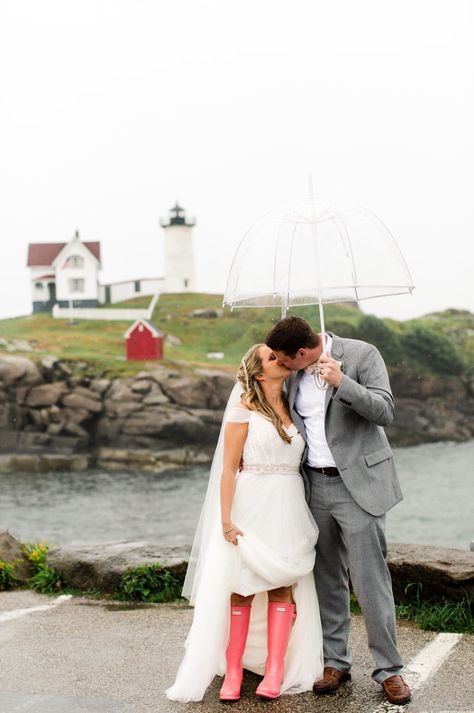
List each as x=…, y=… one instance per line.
x=280, y=621
x=239, y=628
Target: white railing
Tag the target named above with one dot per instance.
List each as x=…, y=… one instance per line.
x=123, y=315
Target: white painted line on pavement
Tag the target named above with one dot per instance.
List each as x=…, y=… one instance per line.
x=17, y=613
x=424, y=665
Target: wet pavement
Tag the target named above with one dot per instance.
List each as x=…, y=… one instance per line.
x=86, y=656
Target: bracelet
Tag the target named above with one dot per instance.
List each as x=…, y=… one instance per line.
x=224, y=532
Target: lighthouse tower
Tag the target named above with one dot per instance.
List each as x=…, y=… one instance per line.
x=179, y=258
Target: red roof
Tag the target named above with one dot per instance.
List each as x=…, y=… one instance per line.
x=45, y=253
x=148, y=326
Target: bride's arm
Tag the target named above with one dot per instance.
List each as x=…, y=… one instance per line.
x=234, y=439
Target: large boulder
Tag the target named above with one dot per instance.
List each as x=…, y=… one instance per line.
x=46, y=394
x=210, y=391
x=221, y=384
x=102, y=566
x=207, y=313
x=11, y=552
x=100, y=385
x=15, y=369
x=166, y=424
x=441, y=572
x=121, y=390
x=185, y=391
x=83, y=399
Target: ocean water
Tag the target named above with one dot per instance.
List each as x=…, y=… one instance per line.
x=438, y=507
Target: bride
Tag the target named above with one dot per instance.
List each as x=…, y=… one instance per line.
x=250, y=575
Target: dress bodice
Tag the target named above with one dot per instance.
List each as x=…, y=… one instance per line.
x=264, y=450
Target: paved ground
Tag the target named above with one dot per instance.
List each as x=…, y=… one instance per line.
x=83, y=656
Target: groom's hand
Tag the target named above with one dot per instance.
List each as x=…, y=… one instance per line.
x=330, y=370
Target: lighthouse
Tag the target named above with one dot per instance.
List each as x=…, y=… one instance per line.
x=178, y=250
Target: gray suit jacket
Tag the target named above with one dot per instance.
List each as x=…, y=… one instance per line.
x=355, y=415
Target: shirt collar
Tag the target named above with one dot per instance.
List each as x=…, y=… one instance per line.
x=311, y=368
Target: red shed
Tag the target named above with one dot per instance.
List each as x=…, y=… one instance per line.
x=143, y=342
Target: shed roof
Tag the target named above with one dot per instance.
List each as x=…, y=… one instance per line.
x=151, y=327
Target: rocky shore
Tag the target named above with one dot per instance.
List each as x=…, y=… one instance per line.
x=51, y=418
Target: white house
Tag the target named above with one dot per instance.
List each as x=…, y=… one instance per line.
x=67, y=274
x=64, y=273
x=127, y=289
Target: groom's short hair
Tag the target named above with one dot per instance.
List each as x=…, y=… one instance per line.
x=291, y=334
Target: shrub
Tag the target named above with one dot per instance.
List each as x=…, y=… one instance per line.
x=7, y=576
x=44, y=579
x=377, y=332
x=149, y=583
x=431, y=348
x=343, y=328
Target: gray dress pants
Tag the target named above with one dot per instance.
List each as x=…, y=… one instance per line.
x=352, y=542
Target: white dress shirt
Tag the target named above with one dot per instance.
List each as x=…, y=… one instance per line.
x=310, y=404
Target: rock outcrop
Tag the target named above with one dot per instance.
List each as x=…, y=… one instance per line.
x=45, y=409
x=441, y=572
x=430, y=409
x=101, y=566
x=156, y=419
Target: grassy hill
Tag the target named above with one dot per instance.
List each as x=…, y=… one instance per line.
x=447, y=338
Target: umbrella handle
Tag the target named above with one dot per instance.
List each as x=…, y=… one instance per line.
x=323, y=327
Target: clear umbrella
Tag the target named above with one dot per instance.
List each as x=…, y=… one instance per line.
x=311, y=253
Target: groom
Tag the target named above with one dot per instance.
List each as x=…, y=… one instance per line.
x=350, y=483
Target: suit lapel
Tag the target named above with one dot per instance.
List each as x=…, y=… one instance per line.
x=295, y=382
x=337, y=351
x=297, y=420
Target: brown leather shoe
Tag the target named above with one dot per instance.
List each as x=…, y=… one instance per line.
x=396, y=690
x=331, y=680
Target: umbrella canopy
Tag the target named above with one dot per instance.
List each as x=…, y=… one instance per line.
x=311, y=252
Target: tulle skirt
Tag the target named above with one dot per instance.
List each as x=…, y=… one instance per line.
x=277, y=549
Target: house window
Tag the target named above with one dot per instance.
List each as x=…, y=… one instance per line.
x=137, y=285
x=186, y=281
x=39, y=285
x=75, y=261
x=76, y=285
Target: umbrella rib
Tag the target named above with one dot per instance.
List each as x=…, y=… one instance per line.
x=347, y=247
x=234, y=261
x=275, y=260
x=394, y=240
x=289, y=266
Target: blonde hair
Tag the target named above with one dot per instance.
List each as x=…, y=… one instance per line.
x=253, y=396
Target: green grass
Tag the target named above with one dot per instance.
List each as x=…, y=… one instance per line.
x=447, y=616
x=442, y=616
x=101, y=344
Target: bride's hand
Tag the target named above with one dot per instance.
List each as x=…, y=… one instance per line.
x=231, y=533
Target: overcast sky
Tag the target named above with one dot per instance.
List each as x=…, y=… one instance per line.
x=111, y=110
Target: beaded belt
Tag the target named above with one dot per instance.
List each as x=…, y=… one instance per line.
x=268, y=469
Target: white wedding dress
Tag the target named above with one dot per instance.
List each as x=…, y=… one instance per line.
x=277, y=549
